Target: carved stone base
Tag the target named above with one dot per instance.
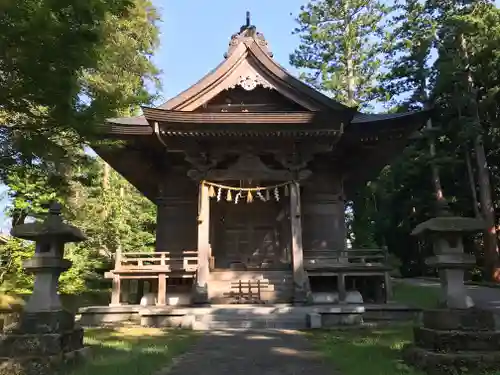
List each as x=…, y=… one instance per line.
x=451, y=340
x=42, y=365
x=42, y=322
x=12, y=345
x=455, y=341
x=40, y=343
x=460, y=320
x=451, y=363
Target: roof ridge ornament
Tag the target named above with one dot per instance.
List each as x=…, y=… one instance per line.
x=246, y=33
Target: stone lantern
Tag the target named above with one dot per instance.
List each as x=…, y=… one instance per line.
x=446, y=232
x=455, y=335
x=45, y=334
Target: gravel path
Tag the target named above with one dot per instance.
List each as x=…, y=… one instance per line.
x=484, y=297
x=269, y=352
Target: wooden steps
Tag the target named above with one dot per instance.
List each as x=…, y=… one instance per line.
x=263, y=286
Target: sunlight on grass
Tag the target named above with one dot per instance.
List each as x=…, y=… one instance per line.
x=361, y=352
x=132, y=351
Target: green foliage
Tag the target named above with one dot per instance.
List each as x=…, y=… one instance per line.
x=44, y=47
x=443, y=54
x=340, y=47
x=115, y=217
x=12, y=276
x=66, y=67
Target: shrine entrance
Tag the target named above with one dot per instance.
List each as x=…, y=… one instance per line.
x=251, y=236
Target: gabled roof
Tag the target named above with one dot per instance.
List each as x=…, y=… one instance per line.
x=248, y=58
x=248, y=62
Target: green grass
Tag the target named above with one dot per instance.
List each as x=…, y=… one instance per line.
x=376, y=351
x=369, y=351
x=132, y=351
x=415, y=296
x=366, y=351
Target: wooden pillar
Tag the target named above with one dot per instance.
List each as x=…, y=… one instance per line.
x=162, y=290
x=140, y=291
x=388, y=286
x=161, y=243
x=116, y=291
x=341, y=287
x=203, y=269
x=125, y=291
x=300, y=280
x=116, y=283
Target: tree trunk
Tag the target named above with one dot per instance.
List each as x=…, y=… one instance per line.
x=105, y=186
x=351, y=82
x=105, y=176
x=436, y=180
x=472, y=183
x=487, y=209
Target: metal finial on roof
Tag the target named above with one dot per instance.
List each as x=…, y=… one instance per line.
x=248, y=20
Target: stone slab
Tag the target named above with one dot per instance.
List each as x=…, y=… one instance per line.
x=454, y=341
x=274, y=316
x=437, y=363
x=314, y=320
x=110, y=309
x=332, y=320
x=159, y=321
x=98, y=315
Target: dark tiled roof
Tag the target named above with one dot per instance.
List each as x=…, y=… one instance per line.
x=363, y=118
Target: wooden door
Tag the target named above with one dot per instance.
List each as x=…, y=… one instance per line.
x=248, y=234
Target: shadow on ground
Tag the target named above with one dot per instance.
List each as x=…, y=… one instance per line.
x=140, y=351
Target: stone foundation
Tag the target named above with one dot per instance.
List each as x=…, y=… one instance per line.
x=451, y=341
x=53, y=365
x=159, y=318
x=109, y=315
x=40, y=343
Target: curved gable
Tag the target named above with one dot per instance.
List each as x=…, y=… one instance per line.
x=248, y=62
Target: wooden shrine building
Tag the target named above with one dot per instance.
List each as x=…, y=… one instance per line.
x=250, y=169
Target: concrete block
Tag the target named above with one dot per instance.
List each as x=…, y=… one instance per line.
x=314, y=320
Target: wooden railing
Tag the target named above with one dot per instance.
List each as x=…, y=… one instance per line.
x=362, y=256
x=156, y=261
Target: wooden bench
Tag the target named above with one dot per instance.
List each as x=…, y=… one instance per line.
x=247, y=291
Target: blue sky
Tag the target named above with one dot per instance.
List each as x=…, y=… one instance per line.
x=195, y=35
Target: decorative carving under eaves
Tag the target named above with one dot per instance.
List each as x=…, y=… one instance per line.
x=294, y=161
x=248, y=167
x=250, y=81
x=201, y=162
